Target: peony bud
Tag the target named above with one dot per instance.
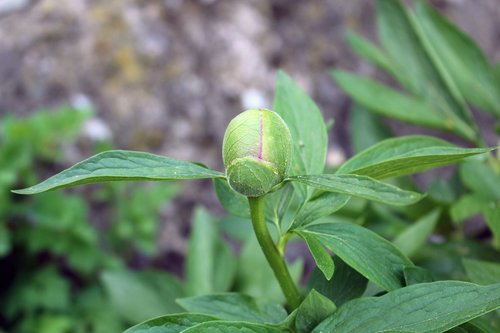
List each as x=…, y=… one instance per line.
x=257, y=152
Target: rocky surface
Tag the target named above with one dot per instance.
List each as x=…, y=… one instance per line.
x=167, y=75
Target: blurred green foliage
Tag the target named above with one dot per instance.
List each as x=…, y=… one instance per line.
x=60, y=251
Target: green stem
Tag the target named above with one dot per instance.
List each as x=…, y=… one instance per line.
x=271, y=252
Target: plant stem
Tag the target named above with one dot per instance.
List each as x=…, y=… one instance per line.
x=273, y=256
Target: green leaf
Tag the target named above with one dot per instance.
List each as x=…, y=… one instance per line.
x=462, y=58
x=345, y=285
x=415, y=274
x=406, y=155
x=364, y=48
x=320, y=205
x=234, y=327
x=261, y=283
x=481, y=179
x=313, y=310
x=235, y=307
x=365, y=251
x=482, y=272
x=306, y=125
x=468, y=206
x=322, y=258
x=232, y=201
x=415, y=236
x=367, y=128
x=137, y=297
x=361, y=186
x=426, y=307
x=428, y=79
x=175, y=323
x=210, y=265
x=492, y=218
x=122, y=165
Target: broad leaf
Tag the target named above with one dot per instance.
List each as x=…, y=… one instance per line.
x=415, y=236
x=150, y=298
x=361, y=186
x=313, y=310
x=123, y=165
x=365, y=251
x=482, y=272
x=463, y=59
x=234, y=327
x=406, y=155
x=175, y=323
x=345, y=285
x=306, y=125
x=320, y=205
x=322, y=258
x=426, y=307
x=210, y=264
x=233, y=306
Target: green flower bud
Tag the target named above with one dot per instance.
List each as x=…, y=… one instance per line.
x=257, y=152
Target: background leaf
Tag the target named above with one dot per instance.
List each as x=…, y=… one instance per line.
x=415, y=236
x=482, y=272
x=426, y=307
x=122, y=165
x=368, y=253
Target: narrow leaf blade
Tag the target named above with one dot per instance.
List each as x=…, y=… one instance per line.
x=361, y=186
x=117, y=165
x=322, y=258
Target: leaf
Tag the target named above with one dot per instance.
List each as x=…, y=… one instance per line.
x=175, y=323
x=415, y=274
x=492, y=218
x=361, y=186
x=406, y=155
x=306, y=125
x=136, y=297
x=232, y=201
x=234, y=327
x=210, y=265
x=467, y=206
x=235, y=307
x=345, y=285
x=116, y=165
x=415, y=236
x=366, y=128
x=313, y=310
x=404, y=42
x=368, y=253
x=320, y=205
x=389, y=102
x=261, y=283
x=426, y=307
x=482, y=272
x=481, y=179
x=462, y=58
x=322, y=258
x=364, y=48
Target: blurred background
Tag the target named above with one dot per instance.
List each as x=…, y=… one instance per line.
x=163, y=76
